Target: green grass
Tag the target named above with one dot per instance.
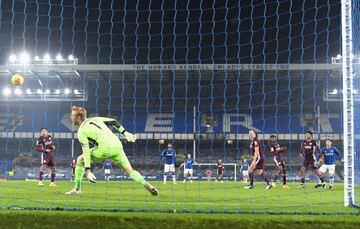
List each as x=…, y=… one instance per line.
x=294, y=208
x=198, y=196
x=84, y=219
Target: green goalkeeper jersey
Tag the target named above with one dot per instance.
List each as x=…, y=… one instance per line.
x=96, y=131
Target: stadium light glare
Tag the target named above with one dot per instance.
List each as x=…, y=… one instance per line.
x=334, y=92
x=12, y=58
x=67, y=91
x=37, y=58
x=230, y=141
x=71, y=57
x=28, y=91
x=18, y=91
x=39, y=91
x=76, y=92
x=47, y=58
x=59, y=57
x=47, y=91
x=57, y=91
x=24, y=58
x=6, y=91
x=338, y=56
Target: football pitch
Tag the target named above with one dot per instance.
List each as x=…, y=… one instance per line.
x=201, y=204
x=199, y=196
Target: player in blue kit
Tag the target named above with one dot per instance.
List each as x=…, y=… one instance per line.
x=169, y=154
x=188, y=168
x=245, y=170
x=329, y=159
x=107, y=170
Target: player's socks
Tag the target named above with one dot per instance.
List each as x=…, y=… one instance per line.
x=52, y=177
x=321, y=179
x=275, y=178
x=265, y=177
x=174, y=179
x=41, y=174
x=303, y=180
x=284, y=180
x=79, y=173
x=165, y=177
x=136, y=176
x=331, y=181
x=251, y=178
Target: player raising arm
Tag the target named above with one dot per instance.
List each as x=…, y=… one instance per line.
x=329, y=153
x=106, y=146
x=188, y=168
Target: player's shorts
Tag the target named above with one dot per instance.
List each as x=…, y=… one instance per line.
x=245, y=173
x=113, y=151
x=107, y=171
x=330, y=168
x=48, y=161
x=188, y=171
x=309, y=162
x=260, y=164
x=169, y=168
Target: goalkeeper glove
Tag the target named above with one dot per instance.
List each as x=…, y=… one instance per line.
x=130, y=137
x=90, y=176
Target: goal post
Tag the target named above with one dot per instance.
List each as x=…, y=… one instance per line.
x=348, y=108
x=233, y=167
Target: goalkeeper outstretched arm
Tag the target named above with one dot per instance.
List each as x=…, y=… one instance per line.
x=117, y=125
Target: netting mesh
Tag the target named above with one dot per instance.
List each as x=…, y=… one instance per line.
x=197, y=74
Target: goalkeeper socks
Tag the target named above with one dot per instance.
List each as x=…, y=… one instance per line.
x=321, y=179
x=79, y=173
x=52, y=177
x=284, y=180
x=251, y=178
x=136, y=176
x=331, y=181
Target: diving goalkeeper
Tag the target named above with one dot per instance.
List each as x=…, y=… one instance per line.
x=106, y=146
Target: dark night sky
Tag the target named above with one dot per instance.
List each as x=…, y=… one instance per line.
x=112, y=31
